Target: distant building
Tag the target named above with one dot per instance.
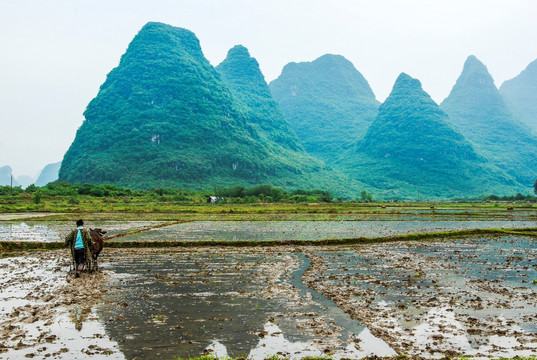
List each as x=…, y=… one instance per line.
x=215, y=200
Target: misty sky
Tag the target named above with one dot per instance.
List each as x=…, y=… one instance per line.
x=54, y=54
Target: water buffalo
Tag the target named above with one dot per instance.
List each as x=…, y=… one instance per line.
x=97, y=244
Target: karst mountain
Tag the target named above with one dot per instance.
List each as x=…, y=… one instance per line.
x=521, y=95
x=328, y=103
x=48, y=174
x=166, y=117
x=411, y=151
x=480, y=113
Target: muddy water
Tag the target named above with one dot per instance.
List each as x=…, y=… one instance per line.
x=234, y=302
x=470, y=297
x=310, y=230
x=46, y=314
x=56, y=231
x=20, y=216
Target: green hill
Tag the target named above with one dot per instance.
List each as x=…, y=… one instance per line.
x=327, y=102
x=477, y=109
x=164, y=117
x=242, y=75
x=521, y=95
x=410, y=151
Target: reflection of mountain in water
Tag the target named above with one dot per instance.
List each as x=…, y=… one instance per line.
x=183, y=303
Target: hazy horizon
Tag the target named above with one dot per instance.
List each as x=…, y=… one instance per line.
x=56, y=54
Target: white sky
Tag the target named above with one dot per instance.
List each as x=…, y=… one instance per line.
x=54, y=54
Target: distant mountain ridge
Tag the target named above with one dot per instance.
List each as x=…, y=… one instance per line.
x=521, y=95
x=48, y=174
x=6, y=176
x=327, y=102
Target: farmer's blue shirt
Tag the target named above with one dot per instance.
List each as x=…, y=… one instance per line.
x=78, y=243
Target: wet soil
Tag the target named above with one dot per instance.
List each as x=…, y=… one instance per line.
x=46, y=312
x=316, y=230
x=473, y=297
x=238, y=302
x=46, y=231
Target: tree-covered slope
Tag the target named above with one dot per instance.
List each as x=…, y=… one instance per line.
x=242, y=75
x=48, y=174
x=164, y=117
x=477, y=109
x=411, y=151
x=521, y=95
x=327, y=102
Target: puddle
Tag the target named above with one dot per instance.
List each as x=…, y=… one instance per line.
x=315, y=230
x=467, y=297
x=236, y=302
x=56, y=231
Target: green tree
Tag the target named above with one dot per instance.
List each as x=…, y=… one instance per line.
x=366, y=197
x=37, y=197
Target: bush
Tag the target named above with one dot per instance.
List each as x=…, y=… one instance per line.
x=37, y=197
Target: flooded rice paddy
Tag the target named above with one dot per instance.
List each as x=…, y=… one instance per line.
x=43, y=231
x=309, y=230
x=237, y=303
x=474, y=296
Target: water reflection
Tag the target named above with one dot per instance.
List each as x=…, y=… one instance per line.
x=56, y=231
x=473, y=296
x=235, y=302
x=309, y=230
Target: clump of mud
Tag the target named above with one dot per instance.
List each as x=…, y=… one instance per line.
x=472, y=297
x=44, y=308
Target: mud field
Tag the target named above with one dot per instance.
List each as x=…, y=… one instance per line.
x=474, y=297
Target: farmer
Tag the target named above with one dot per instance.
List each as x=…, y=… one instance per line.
x=80, y=241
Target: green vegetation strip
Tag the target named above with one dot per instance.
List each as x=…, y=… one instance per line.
x=32, y=245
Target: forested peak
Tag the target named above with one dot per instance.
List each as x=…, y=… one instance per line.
x=157, y=40
x=531, y=69
x=155, y=31
x=407, y=90
x=521, y=94
x=333, y=60
x=5, y=170
x=330, y=72
x=324, y=62
x=474, y=75
x=411, y=110
x=237, y=52
x=239, y=64
x=405, y=82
